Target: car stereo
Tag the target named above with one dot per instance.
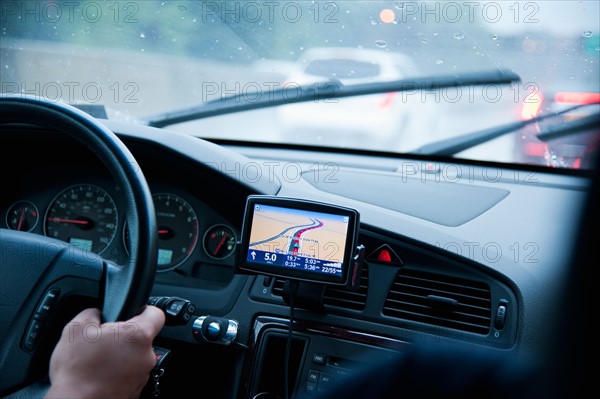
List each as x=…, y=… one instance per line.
x=297, y=239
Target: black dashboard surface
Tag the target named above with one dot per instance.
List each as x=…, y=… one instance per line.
x=506, y=246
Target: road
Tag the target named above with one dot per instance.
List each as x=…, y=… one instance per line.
x=295, y=242
x=252, y=244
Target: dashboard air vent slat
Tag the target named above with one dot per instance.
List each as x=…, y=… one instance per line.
x=337, y=297
x=440, y=300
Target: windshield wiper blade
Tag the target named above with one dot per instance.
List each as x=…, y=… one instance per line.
x=570, y=128
x=323, y=91
x=454, y=145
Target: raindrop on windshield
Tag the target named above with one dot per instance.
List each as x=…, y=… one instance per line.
x=182, y=8
x=494, y=37
x=399, y=5
x=587, y=33
x=143, y=35
x=381, y=43
x=425, y=41
x=459, y=36
x=373, y=22
x=439, y=62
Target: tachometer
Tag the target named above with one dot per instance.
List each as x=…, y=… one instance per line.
x=84, y=216
x=177, y=230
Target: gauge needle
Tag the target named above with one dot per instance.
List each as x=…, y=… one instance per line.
x=73, y=221
x=21, y=219
x=163, y=231
x=221, y=243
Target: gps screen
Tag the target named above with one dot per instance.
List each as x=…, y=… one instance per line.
x=311, y=244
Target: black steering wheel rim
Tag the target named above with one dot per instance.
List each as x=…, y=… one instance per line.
x=124, y=288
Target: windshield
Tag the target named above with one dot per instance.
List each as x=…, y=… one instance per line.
x=143, y=58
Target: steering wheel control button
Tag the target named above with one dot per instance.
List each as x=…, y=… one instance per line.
x=178, y=311
x=319, y=358
x=47, y=304
x=326, y=378
x=33, y=334
x=313, y=375
x=217, y=330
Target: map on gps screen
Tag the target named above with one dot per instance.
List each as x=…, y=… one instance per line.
x=299, y=233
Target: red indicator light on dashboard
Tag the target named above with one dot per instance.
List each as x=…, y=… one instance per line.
x=384, y=256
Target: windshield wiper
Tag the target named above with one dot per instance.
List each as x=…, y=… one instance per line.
x=570, y=128
x=323, y=91
x=454, y=145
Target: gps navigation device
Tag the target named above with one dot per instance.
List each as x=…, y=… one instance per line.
x=298, y=239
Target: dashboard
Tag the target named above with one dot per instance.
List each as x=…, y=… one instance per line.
x=449, y=258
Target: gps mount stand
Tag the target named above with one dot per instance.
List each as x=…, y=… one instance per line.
x=309, y=295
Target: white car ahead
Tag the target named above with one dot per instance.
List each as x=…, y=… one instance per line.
x=375, y=120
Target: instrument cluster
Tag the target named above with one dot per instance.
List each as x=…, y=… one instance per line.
x=88, y=215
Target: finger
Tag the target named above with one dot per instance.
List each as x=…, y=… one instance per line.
x=89, y=315
x=86, y=316
x=151, y=320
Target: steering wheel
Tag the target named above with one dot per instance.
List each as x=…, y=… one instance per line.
x=35, y=270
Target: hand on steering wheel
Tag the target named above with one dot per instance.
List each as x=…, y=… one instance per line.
x=31, y=265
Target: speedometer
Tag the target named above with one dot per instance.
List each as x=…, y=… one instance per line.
x=84, y=216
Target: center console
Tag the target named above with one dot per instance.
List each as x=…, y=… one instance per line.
x=320, y=357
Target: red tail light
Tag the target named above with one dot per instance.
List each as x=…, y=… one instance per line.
x=387, y=100
x=532, y=105
x=577, y=97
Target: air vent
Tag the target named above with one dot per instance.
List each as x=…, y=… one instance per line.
x=337, y=297
x=440, y=300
